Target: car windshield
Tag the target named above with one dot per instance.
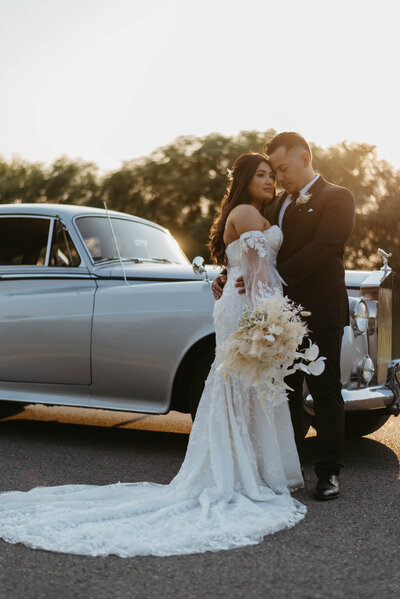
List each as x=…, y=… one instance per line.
x=136, y=241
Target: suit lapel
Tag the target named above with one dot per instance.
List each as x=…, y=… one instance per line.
x=316, y=187
x=314, y=190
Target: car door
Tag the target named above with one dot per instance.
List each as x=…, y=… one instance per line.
x=46, y=303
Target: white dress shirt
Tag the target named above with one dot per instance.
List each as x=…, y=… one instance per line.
x=288, y=199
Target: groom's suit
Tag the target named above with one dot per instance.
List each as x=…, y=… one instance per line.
x=310, y=262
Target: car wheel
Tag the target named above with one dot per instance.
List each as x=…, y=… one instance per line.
x=200, y=373
x=359, y=424
x=9, y=408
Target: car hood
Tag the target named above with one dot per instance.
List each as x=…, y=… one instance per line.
x=153, y=271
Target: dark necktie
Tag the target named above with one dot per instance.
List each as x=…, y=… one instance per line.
x=293, y=199
x=289, y=209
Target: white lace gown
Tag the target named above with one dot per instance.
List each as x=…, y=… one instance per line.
x=233, y=487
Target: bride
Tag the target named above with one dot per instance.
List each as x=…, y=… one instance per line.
x=234, y=485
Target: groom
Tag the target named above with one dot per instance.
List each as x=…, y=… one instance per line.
x=316, y=218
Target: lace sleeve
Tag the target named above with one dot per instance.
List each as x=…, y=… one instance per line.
x=260, y=275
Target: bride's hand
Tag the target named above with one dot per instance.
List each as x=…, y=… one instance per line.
x=240, y=284
x=218, y=286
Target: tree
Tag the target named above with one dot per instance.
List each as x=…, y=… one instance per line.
x=375, y=185
x=181, y=185
x=21, y=181
x=65, y=181
x=72, y=182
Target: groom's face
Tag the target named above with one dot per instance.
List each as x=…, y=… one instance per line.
x=290, y=167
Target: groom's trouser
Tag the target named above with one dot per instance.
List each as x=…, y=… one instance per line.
x=328, y=403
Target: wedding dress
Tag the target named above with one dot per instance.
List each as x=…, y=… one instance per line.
x=233, y=487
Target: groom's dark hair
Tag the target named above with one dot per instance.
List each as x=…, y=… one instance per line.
x=287, y=140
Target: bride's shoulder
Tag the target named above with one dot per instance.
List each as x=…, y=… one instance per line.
x=246, y=216
x=243, y=209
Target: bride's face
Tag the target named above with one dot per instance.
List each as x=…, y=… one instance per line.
x=261, y=186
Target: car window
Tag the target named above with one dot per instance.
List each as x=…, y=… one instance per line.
x=135, y=240
x=63, y=252
x=23, y=240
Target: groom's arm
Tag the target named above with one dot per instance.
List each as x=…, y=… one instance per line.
x=331, y=234
x=218, y=284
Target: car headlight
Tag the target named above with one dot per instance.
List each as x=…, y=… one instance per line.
x=360, y=316
x=366, y=370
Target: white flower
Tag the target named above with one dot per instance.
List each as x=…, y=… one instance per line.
x=264, y=348
x=303, y=199
x=275, y=329
x=302, y=366
x=316, y=368
x=243, y=347
x=312, y=352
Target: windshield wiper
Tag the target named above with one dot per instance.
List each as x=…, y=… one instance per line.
x=165, y=260
x=99, y=259
x=103, y=260
x=136, y=260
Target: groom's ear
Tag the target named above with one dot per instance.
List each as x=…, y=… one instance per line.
x=306, y=159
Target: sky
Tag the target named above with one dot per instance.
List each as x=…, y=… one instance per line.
x=111, y=80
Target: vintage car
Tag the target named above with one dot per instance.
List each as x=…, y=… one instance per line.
x=102, y=309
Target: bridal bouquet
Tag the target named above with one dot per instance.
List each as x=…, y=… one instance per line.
x=264, y=348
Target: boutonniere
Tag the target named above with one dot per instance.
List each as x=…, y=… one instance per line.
x=303, y=199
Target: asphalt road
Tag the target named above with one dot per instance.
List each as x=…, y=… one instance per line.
x=344, y=548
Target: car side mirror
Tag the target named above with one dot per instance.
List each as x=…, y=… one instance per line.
x=199, y=268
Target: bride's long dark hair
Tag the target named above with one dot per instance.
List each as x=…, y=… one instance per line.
x=240, y=175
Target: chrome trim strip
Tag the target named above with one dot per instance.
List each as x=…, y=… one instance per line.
x=25, y=215
x=385, y=333
x=49, y=240
x=93, y=277
x=49, y=276
x=366, y=398
x=150, y=279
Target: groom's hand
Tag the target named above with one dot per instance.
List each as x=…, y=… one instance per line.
x=218, y=286
x=240, y=284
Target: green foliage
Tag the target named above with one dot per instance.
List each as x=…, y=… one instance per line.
x=376, y=187
x=64, y=182
x=181, y=186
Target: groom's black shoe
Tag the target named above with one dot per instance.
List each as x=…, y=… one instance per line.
x=327, y=487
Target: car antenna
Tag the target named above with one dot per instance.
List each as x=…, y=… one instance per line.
x=115, y=241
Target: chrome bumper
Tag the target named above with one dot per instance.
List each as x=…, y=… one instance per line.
x=378, y=397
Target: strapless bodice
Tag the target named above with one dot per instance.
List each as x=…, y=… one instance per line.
x=273, y=235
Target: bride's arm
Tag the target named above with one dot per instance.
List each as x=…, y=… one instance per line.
x=260, y=276
x=243, y=218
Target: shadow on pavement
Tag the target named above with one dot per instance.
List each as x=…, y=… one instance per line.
x=53, y=453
